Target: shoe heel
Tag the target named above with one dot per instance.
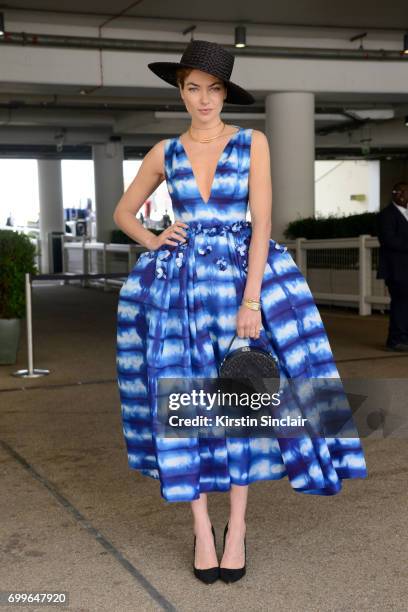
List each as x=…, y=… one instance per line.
x=228, y=575
x=210, y=575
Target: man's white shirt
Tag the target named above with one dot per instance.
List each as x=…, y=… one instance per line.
x=404, y=211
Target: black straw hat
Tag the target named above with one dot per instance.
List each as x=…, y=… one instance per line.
x=209, y=57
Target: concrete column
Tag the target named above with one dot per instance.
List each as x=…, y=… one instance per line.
x=51, y=205
x=109, y=186
x=289, y=127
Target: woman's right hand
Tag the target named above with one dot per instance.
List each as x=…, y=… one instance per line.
x=175, y=231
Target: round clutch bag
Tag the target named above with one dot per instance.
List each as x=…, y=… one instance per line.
x=250, y=363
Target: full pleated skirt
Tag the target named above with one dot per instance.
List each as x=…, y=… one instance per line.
x=176, y=317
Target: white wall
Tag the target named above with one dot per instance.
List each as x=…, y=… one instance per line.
x=336, y=181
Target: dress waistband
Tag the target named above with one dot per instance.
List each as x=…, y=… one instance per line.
x=195, y=227
x=163, y=254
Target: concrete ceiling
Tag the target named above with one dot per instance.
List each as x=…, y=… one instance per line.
x=319, y=13
x=41, y=107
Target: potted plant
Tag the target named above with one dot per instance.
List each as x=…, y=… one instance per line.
x=17, y=255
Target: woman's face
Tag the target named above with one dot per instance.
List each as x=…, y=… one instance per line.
x=204, y=96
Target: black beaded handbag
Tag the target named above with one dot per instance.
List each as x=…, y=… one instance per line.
x=250, y=363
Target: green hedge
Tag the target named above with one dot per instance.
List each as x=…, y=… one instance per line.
x=349, y=226
x=17, y=256
x=332, y=227
x=309, y=227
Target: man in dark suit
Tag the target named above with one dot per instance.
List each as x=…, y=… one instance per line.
x=392, y=223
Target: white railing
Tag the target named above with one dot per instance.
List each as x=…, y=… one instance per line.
x=351, y=267
x=99, y=257
x=347, y=277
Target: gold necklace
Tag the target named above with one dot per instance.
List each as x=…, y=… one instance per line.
x=207, y=139
x=204, y=128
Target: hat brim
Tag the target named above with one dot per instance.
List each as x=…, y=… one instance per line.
x=167, y=72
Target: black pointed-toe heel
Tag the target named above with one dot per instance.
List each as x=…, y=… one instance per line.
x=209, y=575
x=232, y=575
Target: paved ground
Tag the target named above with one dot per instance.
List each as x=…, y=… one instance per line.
x=74, y=518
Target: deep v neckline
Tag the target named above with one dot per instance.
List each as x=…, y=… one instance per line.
x=216, y=167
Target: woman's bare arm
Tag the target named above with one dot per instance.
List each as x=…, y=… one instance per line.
x=148, y=178
x=260, y=203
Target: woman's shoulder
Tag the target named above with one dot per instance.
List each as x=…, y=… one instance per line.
x=258, y=136
x=259, y=143
x=160, y=146
x=159, y=150
x=156, y=155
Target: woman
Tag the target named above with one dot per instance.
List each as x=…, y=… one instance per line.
x=208, y=275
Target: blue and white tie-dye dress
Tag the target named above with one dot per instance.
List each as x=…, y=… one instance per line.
x=176, y=317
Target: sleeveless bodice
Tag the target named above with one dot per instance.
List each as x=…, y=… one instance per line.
x=228, y=201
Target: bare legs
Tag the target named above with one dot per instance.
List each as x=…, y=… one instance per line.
x=233, y=557
x=206, y=555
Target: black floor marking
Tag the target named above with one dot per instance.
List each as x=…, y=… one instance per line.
x=83, y=521
x=60, y=385
x=395, y=355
